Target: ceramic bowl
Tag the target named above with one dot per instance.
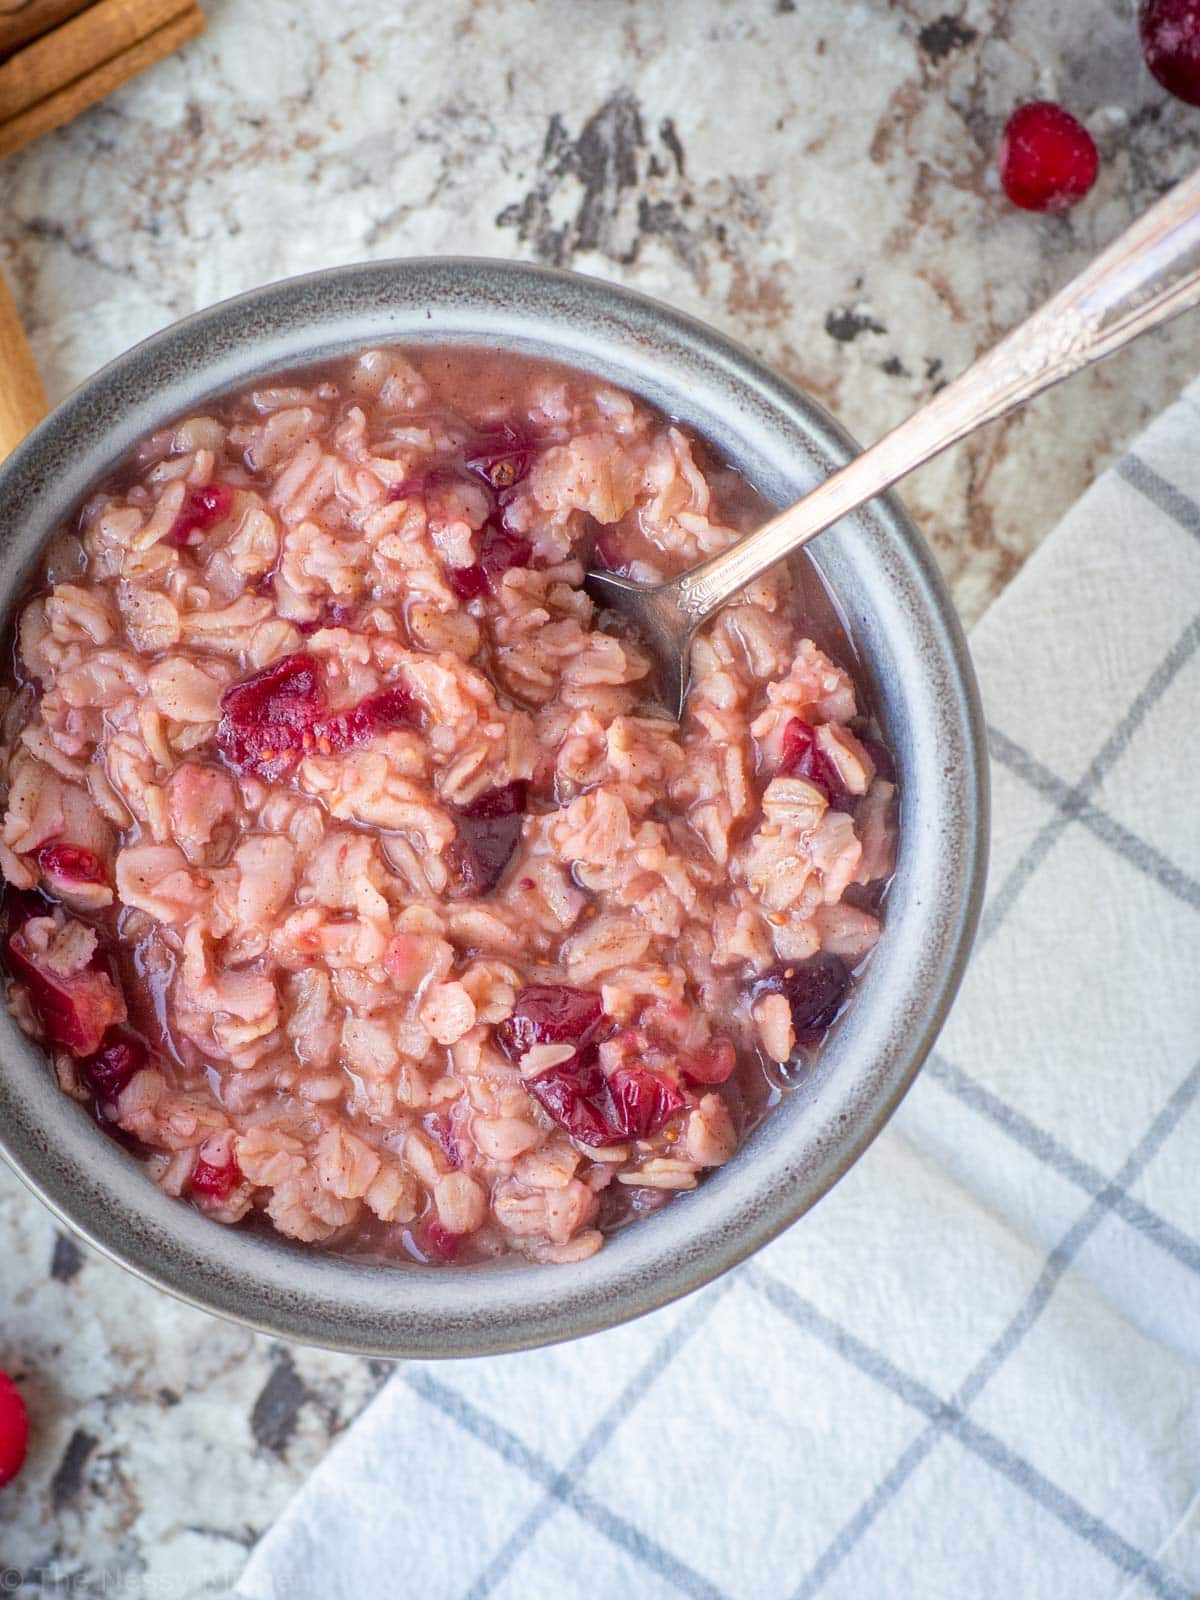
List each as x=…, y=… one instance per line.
x=898, y=612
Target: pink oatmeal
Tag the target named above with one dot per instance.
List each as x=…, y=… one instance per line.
x=357, y=879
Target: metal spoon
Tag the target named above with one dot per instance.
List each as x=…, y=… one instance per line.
x=1149, y=275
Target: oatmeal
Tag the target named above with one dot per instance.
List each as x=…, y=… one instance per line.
x=356, y=876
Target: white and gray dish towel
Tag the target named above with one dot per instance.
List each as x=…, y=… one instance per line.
x=971, y=1371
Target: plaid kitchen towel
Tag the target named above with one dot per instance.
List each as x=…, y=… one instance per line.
x=972, y=1370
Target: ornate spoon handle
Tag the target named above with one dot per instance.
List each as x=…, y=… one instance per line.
x=1149, y=275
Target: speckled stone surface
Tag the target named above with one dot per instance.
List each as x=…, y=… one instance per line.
x=813, y=176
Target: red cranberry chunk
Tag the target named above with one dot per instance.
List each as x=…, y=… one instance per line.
x=815, y=990
x=213, y=1182
x=269, y=719
x=499, y=550
x=632, y=1103
x=506, y=801
x=606, y=550
x=489, y=830
x=72, y=863
x=1048, y=160
x=14, y=1430
x=469, y=583
x=21, y=904
x=804, y=758
x=333, y=614
x=576, y=1097
x=390, y=708
x=407, y=489
x=1170, y=35
x=73, y=1011
x=202, y=509
x=551, y=1014
x=113, y=1065
x=711, y=1063
x=643, y=1102
x=440, y=1242
x=501, y=458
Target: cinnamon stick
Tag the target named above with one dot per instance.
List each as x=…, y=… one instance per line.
x=22, y=20
x=22, y=398
x=95, y=36
x=67, y=103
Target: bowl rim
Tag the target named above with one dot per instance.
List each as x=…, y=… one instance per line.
x=785, y=441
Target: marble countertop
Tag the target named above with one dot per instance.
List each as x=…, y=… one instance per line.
x=814, y=177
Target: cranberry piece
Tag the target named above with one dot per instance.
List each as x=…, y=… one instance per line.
x=501, y=458
x=643, y=1102
x=804, y=758
x=606, y=552
x=488, y=832
x=201, y=510
x=1048, y=160
x=390, y=708
x=712, y=1063
x=72, y=863
x=407, y=489
x=216, y=1183
x=469, y=583
x=74, y=1012
x=269, y=719
x=631, y=1104
x=1170, y=35
x=576, y=1097
x=393, y=707
x=815, y=990
x=14, y=1430
x=441, y=1242
x=333, y=614
x=499, y=549
x=113, y=1065
x=551, y=1013
x=21, y=904
x=885, y=767
x=506, y=801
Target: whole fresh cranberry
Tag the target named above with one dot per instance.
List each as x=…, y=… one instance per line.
x=1048, y=159
x=14, y=1430
x=1170, y=35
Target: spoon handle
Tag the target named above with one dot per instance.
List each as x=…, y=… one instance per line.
x=1150, y=274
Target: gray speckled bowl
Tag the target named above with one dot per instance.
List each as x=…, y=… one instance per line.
x=899, y=613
